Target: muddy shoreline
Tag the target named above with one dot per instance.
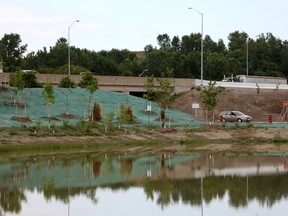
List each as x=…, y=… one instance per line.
x=158, y=141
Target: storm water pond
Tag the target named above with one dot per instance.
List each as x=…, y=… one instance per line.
x=191, y=184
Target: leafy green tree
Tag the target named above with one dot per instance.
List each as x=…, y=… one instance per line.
x=191, y=43
x=209, y=44
x=233, y=67
x=209, y=96
x=149, y=86
x=125, y=114
x=11, y=51
x=90, y=83
x=30, y=80
x=149, y=48
x=16, y=81
x=105, y=66
x=164, y=42
x=284, y=59
x=48, y=95
x=130, y=67
x=162, y=95
x=20, y=81
x=118, y=56
x=221, y=47
x=157, y=61
x=108, y=121
x=215, y=66
x=23, y=80
x=66, y=82
x=237, y=40
x=58, y=54
x=191, y=65
x=176, y=44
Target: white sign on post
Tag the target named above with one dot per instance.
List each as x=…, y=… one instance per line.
x=149, y=108
x=195, y=106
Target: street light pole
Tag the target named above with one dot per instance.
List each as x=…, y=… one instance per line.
x=69, y=45
x=201, y=41
x=247, y=55
x=143, y=72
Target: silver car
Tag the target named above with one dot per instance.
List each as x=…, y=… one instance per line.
x=234, y=116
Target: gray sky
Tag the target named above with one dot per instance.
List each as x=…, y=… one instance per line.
x=133, y=24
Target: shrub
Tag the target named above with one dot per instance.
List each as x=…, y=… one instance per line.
x=97, y=112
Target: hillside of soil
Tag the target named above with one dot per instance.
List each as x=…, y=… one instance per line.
x=259, y=106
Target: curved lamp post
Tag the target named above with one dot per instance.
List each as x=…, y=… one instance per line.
x=69, y=45
x=143, y=72
x=191, y=8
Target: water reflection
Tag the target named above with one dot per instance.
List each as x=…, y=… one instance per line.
x=168, y=181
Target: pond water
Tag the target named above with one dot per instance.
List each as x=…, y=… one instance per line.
x=191, y=184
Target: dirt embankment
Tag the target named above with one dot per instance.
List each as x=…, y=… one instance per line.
x=259, y=106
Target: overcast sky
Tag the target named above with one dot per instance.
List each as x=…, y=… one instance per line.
x=133, y=24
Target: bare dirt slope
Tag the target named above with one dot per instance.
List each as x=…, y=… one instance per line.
x=259, y=106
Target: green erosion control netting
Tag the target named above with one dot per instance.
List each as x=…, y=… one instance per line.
x=76, y=101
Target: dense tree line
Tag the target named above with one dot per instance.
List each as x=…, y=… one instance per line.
x=267, y=55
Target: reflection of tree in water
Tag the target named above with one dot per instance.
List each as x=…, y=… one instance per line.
x=268, y=190
x=10, y=200
x=48, y=189
x=63, y=195
x=164, y=188
x=97, y=168
x=126, y=166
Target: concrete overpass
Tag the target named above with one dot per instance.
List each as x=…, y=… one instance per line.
x=135, y=85
x=125, y=84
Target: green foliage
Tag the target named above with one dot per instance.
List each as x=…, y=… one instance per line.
x=267, y=57
x=65, y=124
x=209, y=96
x=125, y=114
x=162, y=95
x=66, y=82
x=85, y=126
x=22, y=80
x=149, y=86
x=15, y=80
x=30, y=80
x=108, y=121
x=48, y=95
x=11, y=51
x=89, y=82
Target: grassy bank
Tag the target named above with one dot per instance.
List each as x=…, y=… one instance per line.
x=28, y=142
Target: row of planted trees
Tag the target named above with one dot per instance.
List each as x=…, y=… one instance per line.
x=21, y=81
x=159, y=90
